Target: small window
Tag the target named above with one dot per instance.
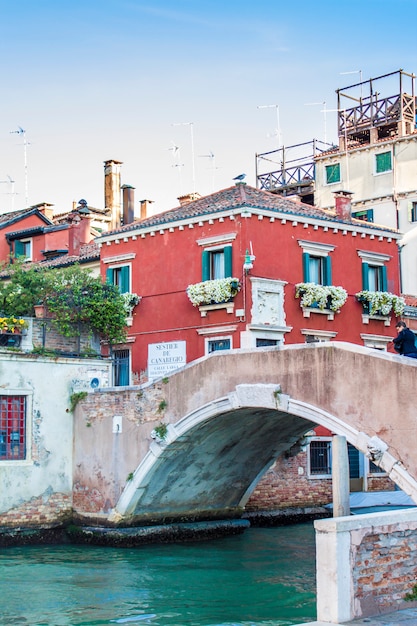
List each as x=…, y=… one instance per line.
x=333, y=173
x=121, y=369
x=320, y=457
x=383, y=162
x=213, y=345
x=374, y=277
x=23, y=249
x=365, y=216
x=317, y=269
x=264, y=343
x=119, y=276
x=12, y=428
x=413, y=212
x=217, y=263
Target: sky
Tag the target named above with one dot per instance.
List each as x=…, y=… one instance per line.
x=184, y=93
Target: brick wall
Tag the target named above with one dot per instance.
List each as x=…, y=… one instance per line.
x=45, y=335
x=43, y=511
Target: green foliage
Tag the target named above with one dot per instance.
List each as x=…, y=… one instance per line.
x=129, y=477
x=162, y=406
x=412, y=595
x=73, y=297
x=75, y=399
x=161, y=430
x=165, y=380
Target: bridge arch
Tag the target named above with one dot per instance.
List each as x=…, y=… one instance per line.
x=216, y=453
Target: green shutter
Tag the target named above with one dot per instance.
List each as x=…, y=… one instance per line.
x=109, y=276
x=228, y=262
x=327, y=270
x=365, y=276
x=306, y=267
x=19, y=248
x=384, y=280
x=383, y=162
x=333, y=173
x=124, y=279
x=205, y=260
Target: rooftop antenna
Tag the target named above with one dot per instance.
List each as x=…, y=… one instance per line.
x=213, y=166
x=11, y=193
x=21, y=131
x=191, y=125
x=176, y=153
x=354, y=72
x=278, y=130
x=323, y=104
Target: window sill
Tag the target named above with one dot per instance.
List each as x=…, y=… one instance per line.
x=381, y=318
x=204, y=309
x=307, y=311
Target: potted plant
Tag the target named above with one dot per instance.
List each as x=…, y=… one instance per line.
x=380, y=302
x=213, y=291
x=12, y=324
x=323, y=297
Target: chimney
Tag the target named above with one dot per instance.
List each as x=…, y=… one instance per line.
x=128, y=204
x=79, y=229
x=112, y=191
x=45, y=208
x=144, y=206
x=343, y=204
x=188, y=197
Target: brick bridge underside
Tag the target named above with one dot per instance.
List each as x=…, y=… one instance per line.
x=230, y=415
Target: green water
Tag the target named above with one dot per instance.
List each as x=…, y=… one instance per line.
x=263, y=577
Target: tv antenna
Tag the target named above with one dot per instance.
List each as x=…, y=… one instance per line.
x=21, y=131
x=176, y=154
x=212, y=158
x=11, y=193
x=323, y=104
x=278, y=129
x=191, y=125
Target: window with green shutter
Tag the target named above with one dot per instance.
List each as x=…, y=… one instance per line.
x=317, y=269
x=383, y=162
x=374, y=277
x=333, y=173
x=217, y=263
x=23, y=249
x=119, y=276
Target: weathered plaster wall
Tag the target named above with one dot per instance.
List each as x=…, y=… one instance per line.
x=366, y=564
x=38, y=489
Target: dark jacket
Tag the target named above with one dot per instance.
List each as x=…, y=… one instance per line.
x=404, y=343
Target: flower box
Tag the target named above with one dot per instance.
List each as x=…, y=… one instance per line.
x=380, y=303
x=324, y=298
x=212, y=292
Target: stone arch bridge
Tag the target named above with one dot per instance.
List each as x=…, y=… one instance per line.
x=229, y=416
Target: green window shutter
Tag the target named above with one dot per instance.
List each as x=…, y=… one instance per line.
x=306, y=267
x=333, y=173
x=228, y=262
x=19, y=248
x=124, y=278
x=365, y=276
x=109, y=276
x=327, y=270
x=383, y=162
x=384, y=281
x=205, y=274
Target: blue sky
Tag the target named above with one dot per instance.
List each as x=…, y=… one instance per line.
x=95, y=80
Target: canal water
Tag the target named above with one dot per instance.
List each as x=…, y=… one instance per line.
x=264, y=577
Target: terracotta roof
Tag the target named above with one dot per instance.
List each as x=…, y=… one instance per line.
x=88, y=252
x=15, y=216
x=240, y=196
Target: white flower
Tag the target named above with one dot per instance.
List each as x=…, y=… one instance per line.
x=130, y=301
x=213, y=291
x=324, y=296
x=381, y=302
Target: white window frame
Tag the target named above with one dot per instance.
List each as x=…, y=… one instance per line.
x=319, y=476
x=385, y=171
x=319, y=335
x=377, y=342
x=208, y=340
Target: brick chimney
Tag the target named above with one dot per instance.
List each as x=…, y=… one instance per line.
x=128, y=204
x=79, y=229
x=45, y=208
x=343, y=204
x=144, y=206
x=188, y=197
x=112, y=191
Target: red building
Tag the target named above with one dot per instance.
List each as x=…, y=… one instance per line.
x=254, y=248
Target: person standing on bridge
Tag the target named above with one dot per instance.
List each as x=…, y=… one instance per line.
x=404, y=342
